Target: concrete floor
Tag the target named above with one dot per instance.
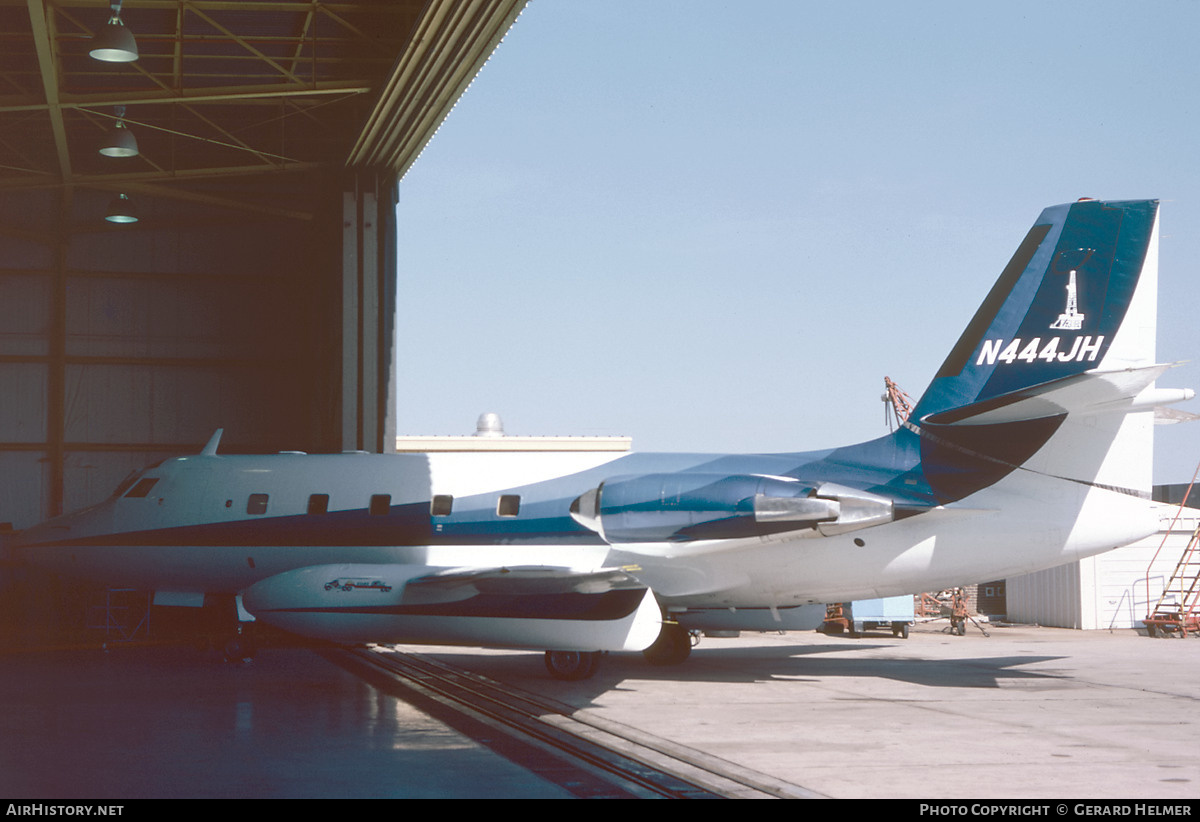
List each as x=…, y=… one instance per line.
x=1027, y=713
x=175, y=723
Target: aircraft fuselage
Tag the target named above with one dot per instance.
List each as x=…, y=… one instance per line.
x=222, y=523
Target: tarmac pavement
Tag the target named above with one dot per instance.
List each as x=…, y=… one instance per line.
x=1024, y=713
x=1027, y=713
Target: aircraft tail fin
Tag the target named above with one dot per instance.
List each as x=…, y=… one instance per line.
x=1057, y=366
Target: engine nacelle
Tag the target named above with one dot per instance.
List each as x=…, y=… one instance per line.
x=685, y=507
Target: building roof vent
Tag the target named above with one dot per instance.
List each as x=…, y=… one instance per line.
x=489, y=425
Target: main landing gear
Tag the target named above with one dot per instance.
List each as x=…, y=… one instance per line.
x=673, y=646
x=240, y=647
x=236, y=638
x=572, y=666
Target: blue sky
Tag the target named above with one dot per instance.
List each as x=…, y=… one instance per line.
x=717, y=227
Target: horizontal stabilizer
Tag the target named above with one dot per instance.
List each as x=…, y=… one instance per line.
x=1170, y=416
x=1090, y=392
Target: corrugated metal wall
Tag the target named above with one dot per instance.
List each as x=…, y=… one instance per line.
x=1049, y=597
x=120, y=346
x=1108, y=591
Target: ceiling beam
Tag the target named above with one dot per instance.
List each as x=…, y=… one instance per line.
x=43, y=42
x=106, y=180
x=234, y=141
x=294, y=6
x=224, y=94
x=241, y=41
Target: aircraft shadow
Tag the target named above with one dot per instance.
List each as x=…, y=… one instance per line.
x=797, y=663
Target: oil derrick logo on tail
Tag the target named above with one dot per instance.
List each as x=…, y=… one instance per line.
x=1071, y=319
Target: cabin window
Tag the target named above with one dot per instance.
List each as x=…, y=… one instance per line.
x=318, y=504
x=142, y=488
x=509, y=505
x=441, y=505
x=257, y=504
x=380, y=504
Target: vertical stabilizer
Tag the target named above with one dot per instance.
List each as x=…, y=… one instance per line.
x=1047, y=373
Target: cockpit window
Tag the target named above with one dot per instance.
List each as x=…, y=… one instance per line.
x=126, y=484
x=142, y=487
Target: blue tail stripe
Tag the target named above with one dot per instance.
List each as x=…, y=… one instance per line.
x=1024, y=340
x=968, y=344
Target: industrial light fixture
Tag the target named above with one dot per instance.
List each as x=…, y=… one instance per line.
x=114, y=43
x=121, y=210
x=120, y=141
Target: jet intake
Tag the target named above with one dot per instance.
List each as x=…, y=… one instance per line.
x=688, y=507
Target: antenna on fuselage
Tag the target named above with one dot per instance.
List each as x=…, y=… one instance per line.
x=210, y=450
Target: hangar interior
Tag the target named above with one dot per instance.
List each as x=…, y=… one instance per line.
x=256, y=290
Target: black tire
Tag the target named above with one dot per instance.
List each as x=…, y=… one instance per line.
x=673, y=646
x=572, y=666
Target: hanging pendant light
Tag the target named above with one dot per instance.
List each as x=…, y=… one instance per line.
x=121, y=210
x=114, y=43
x=120, y=141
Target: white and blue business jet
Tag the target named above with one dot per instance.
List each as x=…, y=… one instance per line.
x=1031, y=448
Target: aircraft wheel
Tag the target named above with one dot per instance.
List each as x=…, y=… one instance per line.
x=572, y=665
x=673, y=646
x=239, y=648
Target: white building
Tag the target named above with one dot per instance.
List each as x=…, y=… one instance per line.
x=1111, y=590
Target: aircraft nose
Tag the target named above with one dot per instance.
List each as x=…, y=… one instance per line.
x=53, y=532
x=22, y=547
x=41, y=534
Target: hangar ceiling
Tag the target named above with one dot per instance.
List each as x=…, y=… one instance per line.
x=224, y=89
